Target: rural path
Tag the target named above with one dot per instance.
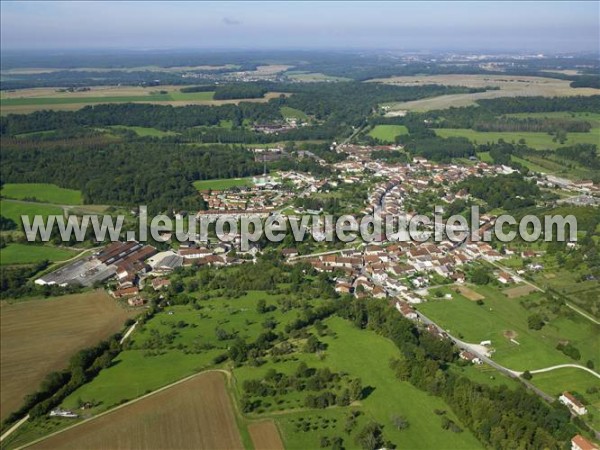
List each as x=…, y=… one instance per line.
x=116, y=408
x=128, y=332
x=14, y=428
x=580, y=312
x=561, y=366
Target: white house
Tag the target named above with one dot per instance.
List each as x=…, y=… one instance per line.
x=574, y=405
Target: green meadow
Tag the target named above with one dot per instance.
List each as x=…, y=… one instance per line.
x=388, y=133
x=500, y=315
x=169, y=97
x=222, y=184
x=575, y=381
x=366, y=355
x=14, y=209
x=145, y=131
x=293, y=113
x=42, y=192
x=29, y=254
x=537, y=140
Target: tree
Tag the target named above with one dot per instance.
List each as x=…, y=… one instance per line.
x=370, y=437
x=535, y=322
x=526, y=375
x=261, y=306
x=356, y=389
x=400, y=422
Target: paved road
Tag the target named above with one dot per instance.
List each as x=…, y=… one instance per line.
x=561, y=366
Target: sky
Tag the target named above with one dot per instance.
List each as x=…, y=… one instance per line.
x=537, y=26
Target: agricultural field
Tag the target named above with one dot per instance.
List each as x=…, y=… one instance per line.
x=388, y=133
x=41, y=192
x=194, y=345
x=509, y=86
x=501, y=319
x=293, y=113
x=29, y=254
x=312, y=77
x=24, y=101
x=222, y=184
x=537, y=140
x=39, y=336
x=145, y=131
x=196, y=413
x=265, y=435
x=14, y=209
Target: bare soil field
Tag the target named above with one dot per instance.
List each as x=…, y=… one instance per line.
x=195, y=414
x=265, y=436
x=519, y=291
x=470, y=293
x=39, y=336
x=509, y=86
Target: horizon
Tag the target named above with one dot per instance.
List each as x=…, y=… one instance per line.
x=517, y=27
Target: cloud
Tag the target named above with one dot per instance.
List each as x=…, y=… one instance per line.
x=231, y=21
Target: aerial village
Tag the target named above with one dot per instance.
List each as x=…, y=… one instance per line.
x=400, y=271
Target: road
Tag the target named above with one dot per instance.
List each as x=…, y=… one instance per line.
x=12, y=429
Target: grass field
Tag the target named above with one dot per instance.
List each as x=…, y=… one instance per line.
x=499, y=315
x=540, y=141
x=196, y=414
x=145, y=131
x=24, y=101
x=312, y=77
x=388, y=133
x=222, y=184
x=13, y=209
x=39, y=336
x=366, y=355
x=509, y=86
x=28, y=254
x=42, y=192
x=293, y=113
x=575, y=381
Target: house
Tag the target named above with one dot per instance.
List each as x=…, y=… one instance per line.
x=504, y=278
x=136, y=301
x=580, y=443
x=159, y=283
x=343, y=287
x=289, y=252
x=572, y=403
x=468, y=356
x=125, y=292
x=406, y=310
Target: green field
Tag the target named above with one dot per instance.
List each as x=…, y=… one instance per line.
x=388, y=133
x=575, y=381
x=145, y=131
x=293, y=113
x=28, y=254
x=222, y=184
x=169, y=97
x=42, y=192
x=312, y=77
x=14, y=209
x=539, y=141
x=499, y=314
x=143, y=366
x=366, y=355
